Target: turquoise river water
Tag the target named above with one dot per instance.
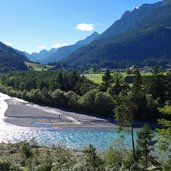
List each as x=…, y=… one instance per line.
x=74, y=138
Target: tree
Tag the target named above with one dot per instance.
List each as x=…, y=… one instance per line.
x=104, y=103
x=72, y=99
x=58, y=98
x=116, y=88
x=145, y=145
x=87, y=101
x=138, y=97
x=93, y=161
x=106, y=78
x=137, y=83
x=158, y=85
x=124, y=116
x=168, y=87
x=165, y=131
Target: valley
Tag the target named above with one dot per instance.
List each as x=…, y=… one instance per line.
x=90, y=87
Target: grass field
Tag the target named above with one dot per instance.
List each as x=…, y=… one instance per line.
x=37, y=67
x=97, y=78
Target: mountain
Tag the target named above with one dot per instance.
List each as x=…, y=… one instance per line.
x=37, y=57
x=65, y=51
x=142, y=37
x=11, y=59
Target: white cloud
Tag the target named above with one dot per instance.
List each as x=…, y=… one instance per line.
x=58, y=45
x=85, y=27
x=40, y=47
x=9, y=43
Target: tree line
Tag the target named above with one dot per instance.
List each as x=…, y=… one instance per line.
x=71, y=90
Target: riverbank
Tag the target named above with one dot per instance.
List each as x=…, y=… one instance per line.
x=22, y=113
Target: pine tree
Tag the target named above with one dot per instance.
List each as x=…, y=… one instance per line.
x=158, y=85
x=145, y=145
x=137, y=83
x=165, y=131
x=124, y=116
x=106, y=79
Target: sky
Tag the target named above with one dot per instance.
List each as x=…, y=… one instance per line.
x=33, y=25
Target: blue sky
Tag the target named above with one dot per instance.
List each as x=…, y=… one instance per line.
x=31, y=25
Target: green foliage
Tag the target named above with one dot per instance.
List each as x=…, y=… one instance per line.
x=97, y=102
x=139, y=99
x=137, y=83
x=8, y=166
x=25, y=151
x=117, y=84
x=106, y=78
x=45, y=166
x=158, y=85
x=167, y=165
x=124, y=116
x=114, y=158
x=103, y=103
x=58, y=98
x=145, y=146
x=165, y=131
x=92, y=161
x=72, y=100
x=88, y=101
x=124, y=113
x=5, y=166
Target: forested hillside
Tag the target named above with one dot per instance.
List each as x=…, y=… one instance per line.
x=11, y=59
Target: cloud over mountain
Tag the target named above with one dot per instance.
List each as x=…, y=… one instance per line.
x=85, y=27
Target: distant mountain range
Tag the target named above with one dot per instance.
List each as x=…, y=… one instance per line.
x=141, y=37
x=11, y=59
x=65, y=51
x=37, y=57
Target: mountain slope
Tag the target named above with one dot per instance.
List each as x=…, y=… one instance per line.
x=65, y=51
x=11, y=59
x=140, y=36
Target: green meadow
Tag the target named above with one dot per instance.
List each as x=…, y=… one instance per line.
x=37, y=67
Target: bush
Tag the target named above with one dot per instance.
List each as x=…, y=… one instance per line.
x=45, y=166
x=114, y=158
x=93, y=162
x=26, y=151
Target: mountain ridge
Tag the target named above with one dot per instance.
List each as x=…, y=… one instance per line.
x=142, y=24
x=65, y=51
x=38, y=56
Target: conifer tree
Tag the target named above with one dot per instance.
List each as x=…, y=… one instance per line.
x=106, y=79
x=124, y=116
x=145, y=145
x=165, y=131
